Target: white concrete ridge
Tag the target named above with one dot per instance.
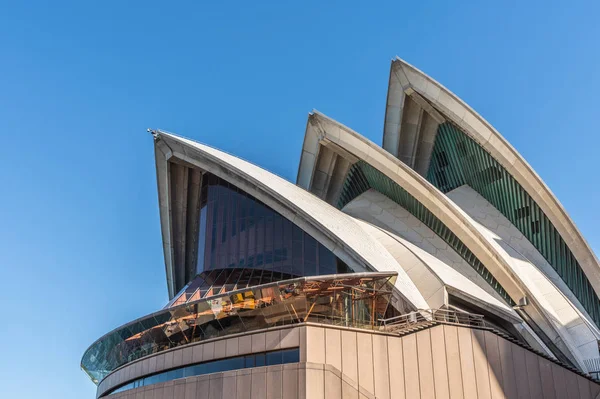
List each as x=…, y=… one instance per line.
x=322, y=129
x=427, y=259
x=405, y=78
x=573, y=323
x=332, y=228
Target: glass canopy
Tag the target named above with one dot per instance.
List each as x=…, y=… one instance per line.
x=352, y=300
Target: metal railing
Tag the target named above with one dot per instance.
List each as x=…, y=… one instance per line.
x=593, y=366
x=431, y=316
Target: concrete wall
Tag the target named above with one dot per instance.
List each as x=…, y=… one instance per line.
x=240, y=344
x=441, y=362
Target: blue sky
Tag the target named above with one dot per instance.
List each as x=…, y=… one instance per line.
x=80, y=249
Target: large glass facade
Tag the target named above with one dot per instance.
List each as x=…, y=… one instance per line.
x=352, y=300
x=239, y=231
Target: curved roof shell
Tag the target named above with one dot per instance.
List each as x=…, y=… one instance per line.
x=409, y=85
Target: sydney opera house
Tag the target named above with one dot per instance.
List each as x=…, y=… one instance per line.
x=437, y=265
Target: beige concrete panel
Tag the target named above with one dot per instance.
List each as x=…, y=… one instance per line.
x=220, y=349
x=137, y=367
x=168, y=360
x=186, y=357
x=145, y=365
x=160, y=362
x=482, y=372
x=215, y=387
x=333, y=385
x=333, y=348
x=289, y=338
x=594, y=389
x=290, y=383
x=302, y=344
x=159, y=392
x=508, y=368
x=302, y=383
x=533, y=375
x=245, y=344
x=495, y=366
x=411, y=366
x=190, y=388
x=197, y=354
x=349, y=355
x=425, y=360
x=203, y=386
x=208, y=351
x=274, y=383
x=364, y=345
x=258, y=342
x=168, y=390
x=178, y=358
x=584, y=388
x=315, y=344
x=272, y=340
x=315, y=383
x=244, y=384
x=521, y=372
x=349, y=392
x=259, y=383
x=232, y=347
x=380, y=367
x=571, y=385
x=229, y=386
x=467, y=361
x=453, y=361
x=179, y=389
x=440, y=367
x=547, y=379
x=396, y=362
x=558, y=376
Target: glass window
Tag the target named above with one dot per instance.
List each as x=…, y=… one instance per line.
x=237, y=229
x=273, y=358
x=290, y=355
x=215, y=366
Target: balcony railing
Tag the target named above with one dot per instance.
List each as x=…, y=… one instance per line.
x=427, y=317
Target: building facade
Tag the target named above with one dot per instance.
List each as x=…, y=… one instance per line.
x=438, y=265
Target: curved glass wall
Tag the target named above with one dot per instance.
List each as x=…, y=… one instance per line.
x=239, y=231
x=220, y=281
x=353, y=300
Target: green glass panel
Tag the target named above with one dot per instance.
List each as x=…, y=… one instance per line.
x=457, y=160
x=363, y=176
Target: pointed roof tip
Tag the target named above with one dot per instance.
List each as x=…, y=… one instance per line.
x=405, y=64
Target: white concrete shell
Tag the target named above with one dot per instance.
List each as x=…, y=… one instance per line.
x=332, y=228
x=323, y=132
x=562, y=309
x=408, y=82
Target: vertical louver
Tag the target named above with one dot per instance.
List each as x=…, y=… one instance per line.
x=457, y=160
x=363, y=176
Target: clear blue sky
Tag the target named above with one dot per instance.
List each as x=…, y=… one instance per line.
x=80, y=249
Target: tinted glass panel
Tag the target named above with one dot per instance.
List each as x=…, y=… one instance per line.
x=237, y=230
x=216, y=366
